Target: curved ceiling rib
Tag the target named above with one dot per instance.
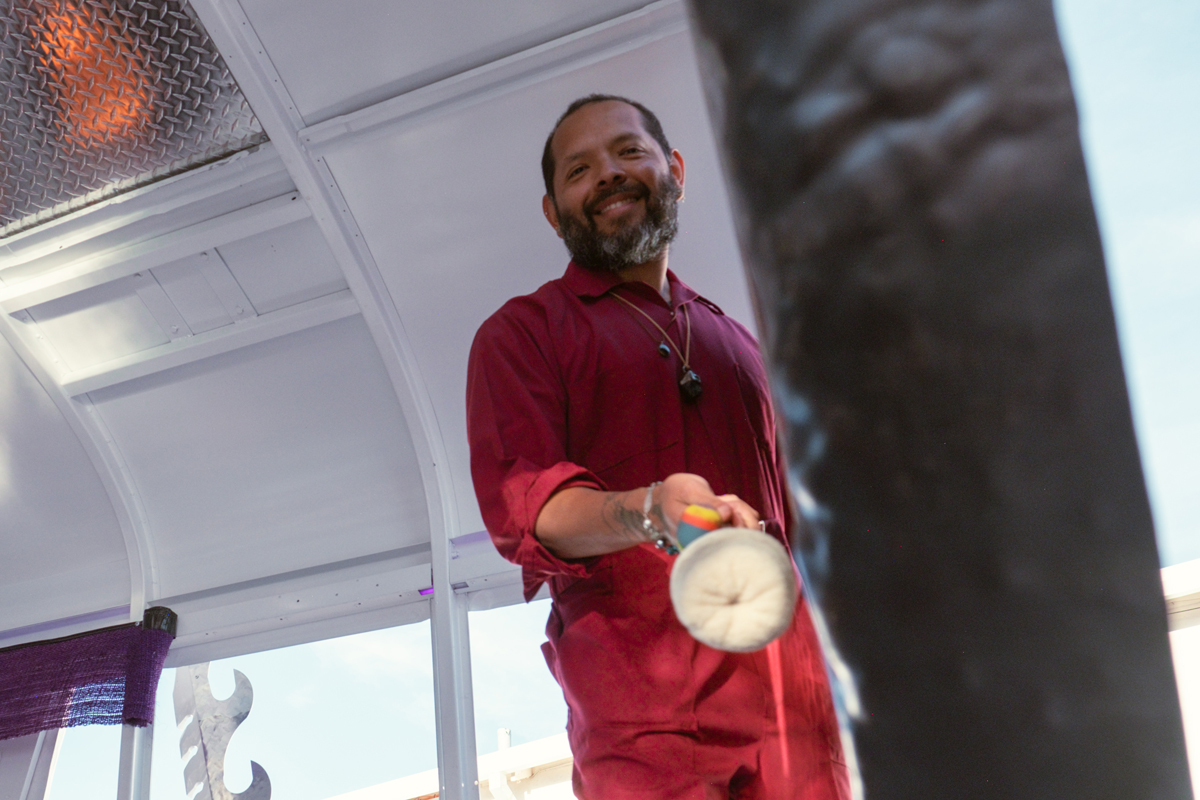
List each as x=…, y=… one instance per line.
x=246, y=57
x=302, y=149
x=244, y=53
x=110, y=467
x=239, y=45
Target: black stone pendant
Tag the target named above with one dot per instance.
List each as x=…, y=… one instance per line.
x=690, y=387
x=664, y=351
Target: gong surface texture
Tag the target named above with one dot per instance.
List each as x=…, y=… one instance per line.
x=916, y=220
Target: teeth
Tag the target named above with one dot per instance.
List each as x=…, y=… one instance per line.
x=618, y=204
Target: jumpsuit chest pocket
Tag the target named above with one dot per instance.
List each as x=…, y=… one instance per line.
x=621, y=423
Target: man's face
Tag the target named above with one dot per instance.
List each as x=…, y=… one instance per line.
x=615, y=190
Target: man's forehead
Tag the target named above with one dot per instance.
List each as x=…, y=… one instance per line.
x=597, y=124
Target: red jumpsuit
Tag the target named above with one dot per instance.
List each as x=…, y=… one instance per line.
x=568, y=387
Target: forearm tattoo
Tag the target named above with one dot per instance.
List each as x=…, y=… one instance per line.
x=624, y=520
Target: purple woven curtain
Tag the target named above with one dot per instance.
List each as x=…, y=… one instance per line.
x=105, y=677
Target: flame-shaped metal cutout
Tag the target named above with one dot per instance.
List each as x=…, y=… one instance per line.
x=211, y=727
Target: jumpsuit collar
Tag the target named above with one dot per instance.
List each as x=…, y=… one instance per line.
x=590, y=284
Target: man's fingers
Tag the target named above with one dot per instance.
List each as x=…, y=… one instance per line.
x=741, y=514
x=681, y=490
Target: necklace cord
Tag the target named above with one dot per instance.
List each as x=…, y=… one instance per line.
x=687, y=346
x=684, y=356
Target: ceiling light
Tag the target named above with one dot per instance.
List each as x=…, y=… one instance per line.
x=102, y=96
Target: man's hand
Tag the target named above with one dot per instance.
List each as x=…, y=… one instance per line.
x=581, y=522
x=683, y=489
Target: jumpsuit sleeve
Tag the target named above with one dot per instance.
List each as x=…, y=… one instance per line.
x=517, y=429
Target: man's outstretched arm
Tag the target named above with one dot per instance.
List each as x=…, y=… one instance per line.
x=579, y=522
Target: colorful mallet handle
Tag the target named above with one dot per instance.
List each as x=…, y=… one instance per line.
x=695, y=522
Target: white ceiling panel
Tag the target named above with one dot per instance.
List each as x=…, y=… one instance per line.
x=184, y=283
x=452, y=213
x=61, y=548
x=97, y=325
x=284, y=266
x=339, y=57
x=228, y=186
x=284, y=455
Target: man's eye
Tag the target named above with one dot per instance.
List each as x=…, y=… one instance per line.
x=631, y=151
x=572, y=173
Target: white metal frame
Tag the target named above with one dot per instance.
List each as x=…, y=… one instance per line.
x=160, y=250
x=301, y=149
x=81, y=228
x=246, y=57
x=133, y=778
x=110, y=465
x=539, y=64
x=463, y=568
x=69, y=242
x=27, y=764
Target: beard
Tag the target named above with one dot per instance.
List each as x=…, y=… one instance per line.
x=634, y=244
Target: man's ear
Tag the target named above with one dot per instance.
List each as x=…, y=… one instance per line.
x=675, y=164
x=551, y=213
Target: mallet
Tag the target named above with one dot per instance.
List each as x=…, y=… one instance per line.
x=733, y=589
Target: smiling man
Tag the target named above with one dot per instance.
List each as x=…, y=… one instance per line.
x=598, y=408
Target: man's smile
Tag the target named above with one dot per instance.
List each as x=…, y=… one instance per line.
x=615, y=203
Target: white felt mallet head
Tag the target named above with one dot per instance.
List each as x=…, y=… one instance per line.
x=733, y=589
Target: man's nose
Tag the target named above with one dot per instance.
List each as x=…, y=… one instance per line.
x=611, y=173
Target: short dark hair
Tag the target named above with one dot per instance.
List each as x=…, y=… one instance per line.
x=653, y=127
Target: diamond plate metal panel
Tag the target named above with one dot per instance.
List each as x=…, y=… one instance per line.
x=101, y=96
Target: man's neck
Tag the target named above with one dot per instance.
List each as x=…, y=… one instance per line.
x=653, y=274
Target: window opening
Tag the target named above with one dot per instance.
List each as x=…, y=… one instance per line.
x=520, y=715
x=88, y=763
x=327, y=718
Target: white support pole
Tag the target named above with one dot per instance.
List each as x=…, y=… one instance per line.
x=458, y=772
x=27, y=764
x=133, y=781
x=41, y=767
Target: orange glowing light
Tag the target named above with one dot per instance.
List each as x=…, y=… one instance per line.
x=95, y=67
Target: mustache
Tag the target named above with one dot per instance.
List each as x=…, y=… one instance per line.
x=632, y=244
x=640, y=191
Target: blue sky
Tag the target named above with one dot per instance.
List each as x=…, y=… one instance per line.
x=1136, y=71
x=339, y=715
